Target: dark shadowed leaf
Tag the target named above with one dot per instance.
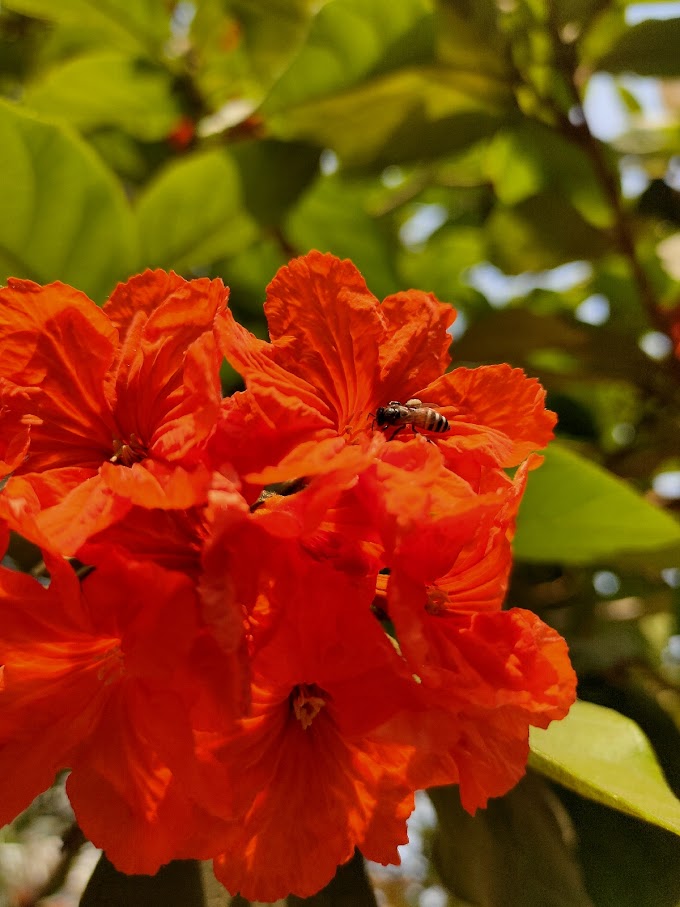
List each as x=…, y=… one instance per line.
x=520, y=851
x=176, y=885
x=647, y=49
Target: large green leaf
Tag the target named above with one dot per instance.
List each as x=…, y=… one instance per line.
x=64, y=217
x=648, y=49
x=348, y=41
x=108, y=88
x=406, y=115
x=143, y=24
x=194, y=214
x=604, y=756
x=576, y=512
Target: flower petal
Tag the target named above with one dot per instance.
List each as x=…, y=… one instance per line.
x=493, y=409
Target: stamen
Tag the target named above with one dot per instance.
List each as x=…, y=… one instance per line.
x=437, y=601
x=128, y=452
x=112, y=666
x=307, y=700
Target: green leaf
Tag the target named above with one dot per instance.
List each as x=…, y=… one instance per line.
x=144, y=24
x=486, y=861
x=649, y=48
x=108, y=88
x=530, y=157
x=193, y=213
x=602, y=755
x=64, y=215
x=469, y=38
x=576, y=512
x=410, y=114
x=348, y=41
x=540, y=233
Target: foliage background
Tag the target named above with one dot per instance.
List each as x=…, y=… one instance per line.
x=518, y=158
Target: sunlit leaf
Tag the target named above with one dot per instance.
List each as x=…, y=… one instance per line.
x=530, y=157
x=350, y=40
x=604, y=756
x=108, y=88
x=576, y=512
x=64, y=216
x=194, y=214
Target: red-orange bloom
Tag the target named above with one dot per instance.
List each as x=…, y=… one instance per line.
x=104, y=679
x=324, y=779
x=117, y=402
x=337, y=354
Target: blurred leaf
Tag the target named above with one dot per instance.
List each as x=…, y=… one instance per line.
x=520, y=851
x=576, y=512
x=469, y=38
x=108, y=88
x=193, y=213
x=176, y=885
x=241, y=47
x=273, y=175
x=649, y=48
x=408, y=115
x=333, y=217
x=530, y=157
x=348, y=41
x=144, y=24
x=541, y=232
x=64, y=216
x=602, y=755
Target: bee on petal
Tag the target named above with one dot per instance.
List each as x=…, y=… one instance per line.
x=414, y=413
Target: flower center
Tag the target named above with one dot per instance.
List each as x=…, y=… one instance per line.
x=111, y=665
x=307, y=700
x=125, y=453
x=437, y=601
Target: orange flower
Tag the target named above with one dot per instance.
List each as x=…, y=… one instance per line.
x=336, y=355
x=104, y=679
x=323, y=779
x=117, y=401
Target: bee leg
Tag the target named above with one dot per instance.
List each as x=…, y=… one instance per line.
x=396, y=432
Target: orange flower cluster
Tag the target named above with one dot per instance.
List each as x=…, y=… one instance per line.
x=292, y=617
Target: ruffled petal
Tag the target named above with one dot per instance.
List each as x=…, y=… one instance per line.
x=415, y=349
x=58, y=347
x=495, y=410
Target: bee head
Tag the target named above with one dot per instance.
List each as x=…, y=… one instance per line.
x=387, y=415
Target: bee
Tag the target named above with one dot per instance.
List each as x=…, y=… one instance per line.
x=413, y=413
